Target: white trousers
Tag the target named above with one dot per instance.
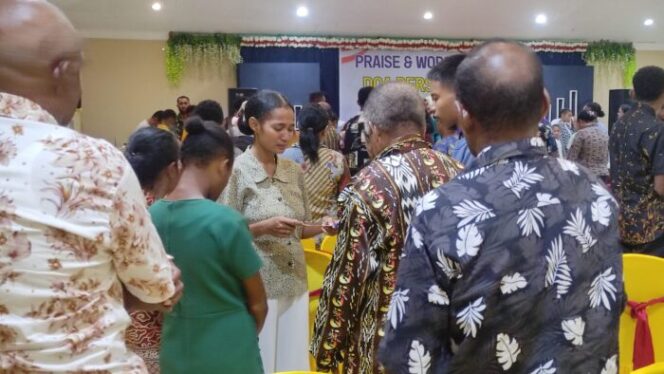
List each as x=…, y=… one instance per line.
x=284, y=341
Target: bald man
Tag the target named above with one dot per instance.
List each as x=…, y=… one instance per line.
x=514, y=266
x=73, y=224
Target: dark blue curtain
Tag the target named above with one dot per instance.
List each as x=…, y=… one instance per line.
x=551, y=58
x=327, y=58
x=329, y=63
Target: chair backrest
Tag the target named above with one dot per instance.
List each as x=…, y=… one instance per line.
x=309, y=244
x=328, y=244
x=317, y=262
x=643, y=282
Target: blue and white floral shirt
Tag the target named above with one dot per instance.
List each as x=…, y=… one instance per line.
x=515, y=267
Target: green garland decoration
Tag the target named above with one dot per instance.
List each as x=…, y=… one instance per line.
x=607, y=52
x=185, y=49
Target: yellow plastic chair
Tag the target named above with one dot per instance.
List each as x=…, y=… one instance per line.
x=317, y=263
x=328, y=244
x=657, y=368
x=309, y=244
x=643, y=282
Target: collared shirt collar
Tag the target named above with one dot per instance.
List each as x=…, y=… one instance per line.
x=20, y=108
x=259, y=173
x=404, y=144
x=528, y=147
x=647, y=109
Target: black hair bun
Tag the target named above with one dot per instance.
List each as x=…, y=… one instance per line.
x=195, y=126
x=243, y=125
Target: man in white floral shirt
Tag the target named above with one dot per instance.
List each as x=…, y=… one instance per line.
x=73, y=223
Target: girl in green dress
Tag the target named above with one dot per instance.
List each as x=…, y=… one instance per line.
x=214, y=328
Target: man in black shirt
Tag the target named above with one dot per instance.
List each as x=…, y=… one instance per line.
x=353, y=146
x=637, y=165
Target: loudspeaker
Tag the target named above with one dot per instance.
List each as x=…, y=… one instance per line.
x=616, y=99
x=237, y=95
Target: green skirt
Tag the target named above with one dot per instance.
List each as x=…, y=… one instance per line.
x=222, y=343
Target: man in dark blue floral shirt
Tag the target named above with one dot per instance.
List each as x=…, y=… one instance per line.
x=637, y=165
x=515, y=266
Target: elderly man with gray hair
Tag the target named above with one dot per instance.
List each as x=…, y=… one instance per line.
x=375, y=212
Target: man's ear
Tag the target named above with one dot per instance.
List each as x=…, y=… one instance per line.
x=60, y=68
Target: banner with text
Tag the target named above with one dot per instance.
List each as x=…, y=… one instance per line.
x=360, y=68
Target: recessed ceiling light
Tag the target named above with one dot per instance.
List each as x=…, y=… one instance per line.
x=302, y=11
x=541, y=19
x=156, y=6
x=428, y=15
x=649, y=22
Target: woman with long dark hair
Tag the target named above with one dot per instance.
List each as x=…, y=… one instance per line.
x=325, y=170
x=154, y=155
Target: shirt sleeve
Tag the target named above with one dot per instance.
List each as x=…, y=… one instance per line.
x=656, y=150
x=305, y=197
x=232, y=195
x=338, y=305
x=417, y=324
x=244, y=261
x=575, y=147
x=138, y=253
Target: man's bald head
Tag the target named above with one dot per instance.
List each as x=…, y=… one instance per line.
x=40, y=55
x=500, y=84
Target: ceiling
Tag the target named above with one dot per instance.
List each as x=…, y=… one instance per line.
x=567, y=19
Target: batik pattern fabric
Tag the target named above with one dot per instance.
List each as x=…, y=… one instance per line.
x=359, y=282
x=513, y=267
x=143, y=336
x=637, y=155
x=322, y=180
x=331, y=139
x=354, y=146
x=590, y=148
x=73, y=229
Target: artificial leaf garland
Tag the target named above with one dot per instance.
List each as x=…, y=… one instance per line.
x=184, y=49
x=622, y=55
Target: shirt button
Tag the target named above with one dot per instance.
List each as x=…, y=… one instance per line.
x=291, y=263
x=290, y=243
x=279, y=199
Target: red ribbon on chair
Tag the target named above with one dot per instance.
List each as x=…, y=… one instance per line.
x=315, y=293
x=644, y=354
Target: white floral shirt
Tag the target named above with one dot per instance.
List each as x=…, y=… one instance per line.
x=73, y=229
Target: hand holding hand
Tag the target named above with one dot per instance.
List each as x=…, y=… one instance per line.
x=179, y=287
